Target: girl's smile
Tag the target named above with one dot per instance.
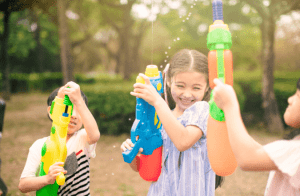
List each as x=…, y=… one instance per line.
x=188, y=88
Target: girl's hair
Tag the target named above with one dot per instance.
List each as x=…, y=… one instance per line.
x=294, y=131
x=183, y=61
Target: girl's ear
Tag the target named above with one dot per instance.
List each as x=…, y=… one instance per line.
x=48, y=111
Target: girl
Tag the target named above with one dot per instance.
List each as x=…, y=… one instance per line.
x=185, y=166
x=282, y=158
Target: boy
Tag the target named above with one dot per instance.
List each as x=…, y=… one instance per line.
x=81, y=144
x=282, y=157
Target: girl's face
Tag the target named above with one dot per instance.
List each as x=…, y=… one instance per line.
x=188, y=88
x=292, y=112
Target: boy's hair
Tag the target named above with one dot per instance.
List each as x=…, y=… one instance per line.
x=188, y=60
x=54, y=94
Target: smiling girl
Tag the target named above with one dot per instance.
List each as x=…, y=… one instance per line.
x=185, y=169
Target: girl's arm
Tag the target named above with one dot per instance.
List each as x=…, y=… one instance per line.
x=250, y=154
x=182, y=137
x=89, y=122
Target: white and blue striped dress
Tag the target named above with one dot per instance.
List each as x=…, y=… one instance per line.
x=186, y=173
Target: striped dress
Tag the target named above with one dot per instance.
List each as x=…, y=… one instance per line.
x=186, y=173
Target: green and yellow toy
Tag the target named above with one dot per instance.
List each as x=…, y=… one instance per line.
x=55, y=149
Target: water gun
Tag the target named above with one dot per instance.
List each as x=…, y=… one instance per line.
x=220, y=154
x=147, y=127
x=55, y=149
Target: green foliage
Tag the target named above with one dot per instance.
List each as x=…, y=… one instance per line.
x=21, y=40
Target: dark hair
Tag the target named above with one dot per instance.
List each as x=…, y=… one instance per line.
x=187, y=60
x=294, y=131
x=54, y=94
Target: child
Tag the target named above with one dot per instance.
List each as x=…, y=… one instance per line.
x=185, y=166
x=282, y=158
x=81, y=144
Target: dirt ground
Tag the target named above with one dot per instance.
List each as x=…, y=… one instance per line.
x=26, y=120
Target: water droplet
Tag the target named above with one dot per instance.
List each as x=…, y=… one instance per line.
x=165, y=61
x=106, y=174
x=192, y=6
x=174, y=40
x=194, y=3
x=183, y=21
x=169, y=47
x=181, y=29
x=129, y=119
x=112, y=174
x=166, y=52
x=161, y=66
x=114, y=146
x=178, y=38
x=180, y=16
x=112, y=159
x=167, y=56
x=187, y=18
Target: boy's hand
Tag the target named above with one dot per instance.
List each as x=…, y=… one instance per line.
x=224, y=95
x=73, y=92
x=54, y=171
x=146, y=91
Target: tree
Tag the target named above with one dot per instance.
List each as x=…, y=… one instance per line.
x=7, y=7
x=269, y=12
x=65, y=52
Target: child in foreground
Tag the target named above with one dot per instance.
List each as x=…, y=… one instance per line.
x=282, y=157
x=81, y=144
x=185, y=166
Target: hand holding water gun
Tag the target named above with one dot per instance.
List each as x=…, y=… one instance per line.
x=220, y=154
x=54, y=150
x=145, y=131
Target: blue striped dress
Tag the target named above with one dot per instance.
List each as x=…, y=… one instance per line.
x=186, y=173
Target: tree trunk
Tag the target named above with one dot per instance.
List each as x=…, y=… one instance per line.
x=5, y=59
x=65, y=47
x=271, y=112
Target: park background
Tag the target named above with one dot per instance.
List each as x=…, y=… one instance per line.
x=103, y=44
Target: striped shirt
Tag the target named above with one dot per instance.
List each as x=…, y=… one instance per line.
x=186, y=173
x=77, y=183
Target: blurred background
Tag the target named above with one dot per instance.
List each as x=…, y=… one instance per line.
x=103, y=44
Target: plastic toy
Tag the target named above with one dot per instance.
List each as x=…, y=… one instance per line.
x=147, y=127
x=55, y=149
x=220, y=154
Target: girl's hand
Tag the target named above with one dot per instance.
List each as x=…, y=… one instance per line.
x=73, y=92
x=146, y=91
x=224, y=95
x=128, y=145
x=54, y=171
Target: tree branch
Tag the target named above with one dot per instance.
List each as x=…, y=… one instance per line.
x=290, y=7
x=259, y=7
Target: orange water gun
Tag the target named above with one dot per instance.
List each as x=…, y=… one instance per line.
x=220, y=154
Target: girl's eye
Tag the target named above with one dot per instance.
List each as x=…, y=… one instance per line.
x=196, y=88
x=179, y=86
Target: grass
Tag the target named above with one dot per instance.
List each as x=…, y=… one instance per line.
x=26, y=120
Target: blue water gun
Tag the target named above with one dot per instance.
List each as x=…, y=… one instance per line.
x=147, y=127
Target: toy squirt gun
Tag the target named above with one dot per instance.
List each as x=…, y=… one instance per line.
x=55, y=149
x=147, y=127
x=220, y=154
